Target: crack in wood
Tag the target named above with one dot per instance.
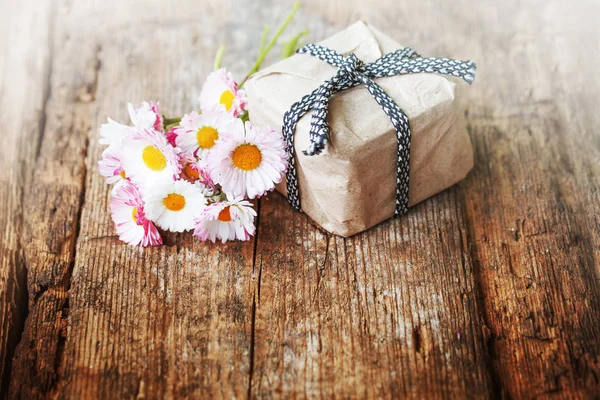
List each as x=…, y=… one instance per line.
x=255, y=299
x=497, y=390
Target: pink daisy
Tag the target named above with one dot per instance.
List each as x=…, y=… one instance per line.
x=250, y=163
x=204, y=173
x=110, y=167
x=194, y=171
x=127, y=210
x=226, y=220
x=147, y=116
x=220, y=89
x=172, y=136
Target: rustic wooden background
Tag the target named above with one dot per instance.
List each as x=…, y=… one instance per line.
x=489, y=289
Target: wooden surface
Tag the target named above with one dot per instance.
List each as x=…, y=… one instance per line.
x=489, y=289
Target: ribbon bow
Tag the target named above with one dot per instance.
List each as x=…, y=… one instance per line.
x=352, y=72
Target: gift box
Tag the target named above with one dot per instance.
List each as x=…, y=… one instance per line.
x=352, y=185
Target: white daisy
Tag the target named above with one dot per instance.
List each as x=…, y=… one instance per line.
x=174, y=205
x=147, y=116
x=250, y=163
x=226, y=220
x=112, y=133
x=148, y=158
x=220, y=89
x=197, y=133
x=127, y=211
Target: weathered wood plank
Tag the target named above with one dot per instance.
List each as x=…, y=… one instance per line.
x=536, y=345
x=168, y=322
x=490, y=288
x=533, y=204
x=389, y=313
x=25, y=60
x=51, y=214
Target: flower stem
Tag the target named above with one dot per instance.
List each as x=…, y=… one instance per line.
x=170, y=122
x=219, y=57
x=264, y=51
x=263, y=38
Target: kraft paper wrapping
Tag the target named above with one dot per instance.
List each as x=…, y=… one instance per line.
x=351, y=186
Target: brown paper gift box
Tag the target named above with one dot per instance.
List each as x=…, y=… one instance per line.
x=351, y=186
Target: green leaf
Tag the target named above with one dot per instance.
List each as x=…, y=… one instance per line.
x=266, y=49
x=290, y=47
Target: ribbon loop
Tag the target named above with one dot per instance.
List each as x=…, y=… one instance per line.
x=352, y=72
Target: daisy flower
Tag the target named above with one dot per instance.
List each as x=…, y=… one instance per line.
x=110, y=167
x=147, y=116
x=112, y=133
x=250, y=163
x=220, y=89
x=149, y=158
x=127, y=211
x=172, y=137
x=189, y=168
x=197, y=133
x=174, y=205
x=226, y=220
x=204, y=174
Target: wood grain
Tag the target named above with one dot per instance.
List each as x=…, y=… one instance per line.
x=489, y=289
x=24, y=70
x=388, y=314
x=532, y=206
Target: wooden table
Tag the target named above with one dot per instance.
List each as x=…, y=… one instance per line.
x=489, y=289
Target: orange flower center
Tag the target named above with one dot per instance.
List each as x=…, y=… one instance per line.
x=206, y=136
x=227, y=99
x=134, y=214
x=174, y=202
x=225, y=215
x=190, y=172
x=247, y=157
x=154, y=158
x=122, y=174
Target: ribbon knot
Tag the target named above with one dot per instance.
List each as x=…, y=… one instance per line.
x=352, y=72
x=351, y=66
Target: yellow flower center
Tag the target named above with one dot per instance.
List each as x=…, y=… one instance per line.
x=174, y=202
x=227, y=99
x=154, y=158
x=134, y=214
x=225, y=215
x=206, y=136
x=190, y=172
x=247, y=157
x=122, y=174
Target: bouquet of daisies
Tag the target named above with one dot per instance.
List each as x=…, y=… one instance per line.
x=196, y=172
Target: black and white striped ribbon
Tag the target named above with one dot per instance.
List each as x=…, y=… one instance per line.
x=352, y=72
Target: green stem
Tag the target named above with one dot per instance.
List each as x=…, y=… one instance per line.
x=263, y=39
x=218, y=57
x=262, y=54
x=171, y=121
